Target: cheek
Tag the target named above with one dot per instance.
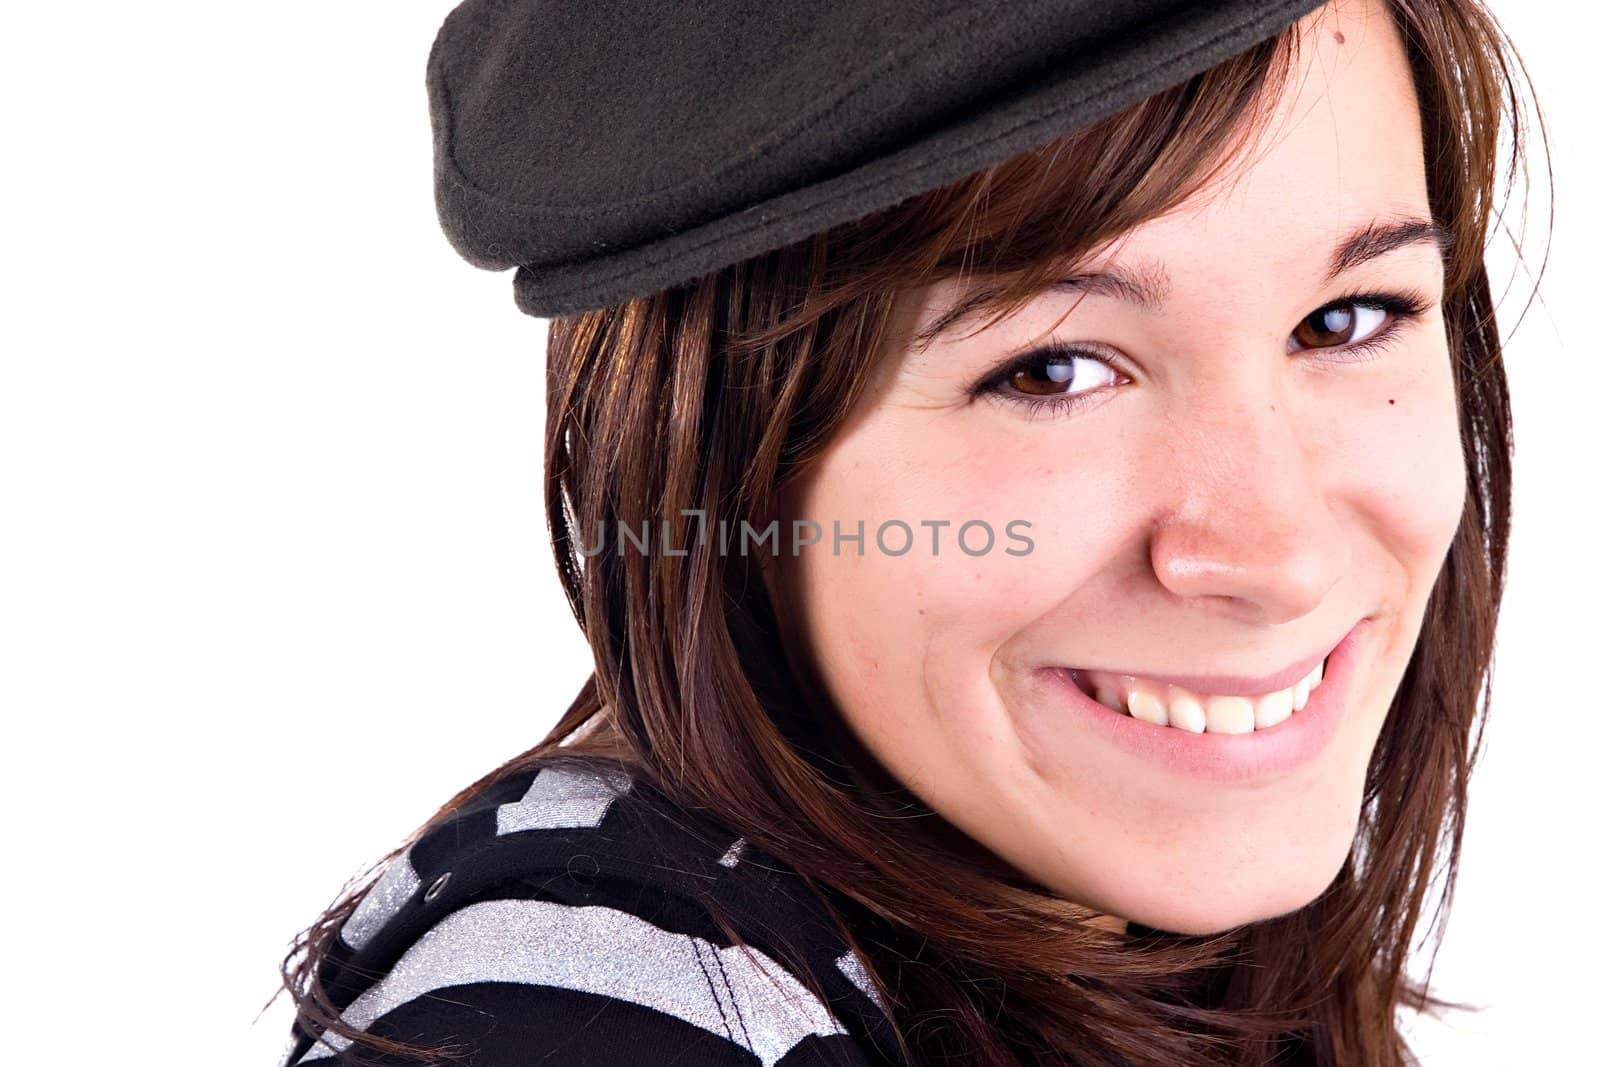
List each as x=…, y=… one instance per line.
x=904, y=643
x=983, y=531
x=1396, y=451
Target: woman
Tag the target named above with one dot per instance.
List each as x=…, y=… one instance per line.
x=1040, y=620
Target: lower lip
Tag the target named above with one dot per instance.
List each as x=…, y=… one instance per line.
x=1259, y=754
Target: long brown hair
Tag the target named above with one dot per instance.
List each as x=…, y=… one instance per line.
x=707, y=397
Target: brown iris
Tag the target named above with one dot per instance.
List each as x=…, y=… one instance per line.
x=1044, y=376
x=1326, y=327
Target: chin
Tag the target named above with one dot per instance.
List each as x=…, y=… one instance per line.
x=1251, y=896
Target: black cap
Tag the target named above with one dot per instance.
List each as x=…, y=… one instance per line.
x=609, y=150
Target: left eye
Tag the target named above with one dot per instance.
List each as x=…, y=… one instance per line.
x=1344, y=323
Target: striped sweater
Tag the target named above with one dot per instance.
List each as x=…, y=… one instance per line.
x=551, y=921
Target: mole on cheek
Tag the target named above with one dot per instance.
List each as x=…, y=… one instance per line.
x=1337, y=36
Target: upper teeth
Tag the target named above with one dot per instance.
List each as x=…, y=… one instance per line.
x=1171, y=705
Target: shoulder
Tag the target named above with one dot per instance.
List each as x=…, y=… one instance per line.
x=562, y=917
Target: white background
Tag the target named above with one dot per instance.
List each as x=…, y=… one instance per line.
x=275, y=580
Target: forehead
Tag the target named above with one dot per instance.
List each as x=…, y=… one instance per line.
x=1344, y=144
x=1342, y=148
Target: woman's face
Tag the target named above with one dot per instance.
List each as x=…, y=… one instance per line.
x=1255, y=466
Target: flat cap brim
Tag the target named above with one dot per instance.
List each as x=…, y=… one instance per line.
x=610, y=150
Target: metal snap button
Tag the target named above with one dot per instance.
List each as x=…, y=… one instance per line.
x=435, y=888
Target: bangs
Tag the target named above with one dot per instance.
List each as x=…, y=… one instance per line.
x=1007, y=232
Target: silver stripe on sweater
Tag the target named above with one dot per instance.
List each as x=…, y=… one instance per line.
x=611, y=953
x=386, y=897
x=561, y=798
x=730, y=858
x=851, y=966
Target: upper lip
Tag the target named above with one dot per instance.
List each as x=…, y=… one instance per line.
x=1233, y=684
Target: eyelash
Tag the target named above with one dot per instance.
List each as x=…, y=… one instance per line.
x=1403, y=307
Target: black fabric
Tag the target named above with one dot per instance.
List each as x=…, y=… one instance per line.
x=611, y=149
x=439, y=975
x=519, y=1026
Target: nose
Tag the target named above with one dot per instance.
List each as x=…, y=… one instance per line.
x=1252, y=530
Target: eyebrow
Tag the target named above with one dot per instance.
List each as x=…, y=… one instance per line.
x=1148, y=286
x=1377, y=238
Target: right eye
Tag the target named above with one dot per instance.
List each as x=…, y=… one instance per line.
x=1050, y=380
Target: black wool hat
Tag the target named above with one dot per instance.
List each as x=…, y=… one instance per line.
x=609, y=150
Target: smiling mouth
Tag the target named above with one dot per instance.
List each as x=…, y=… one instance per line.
x=1218, y=728
x=1162, y=703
